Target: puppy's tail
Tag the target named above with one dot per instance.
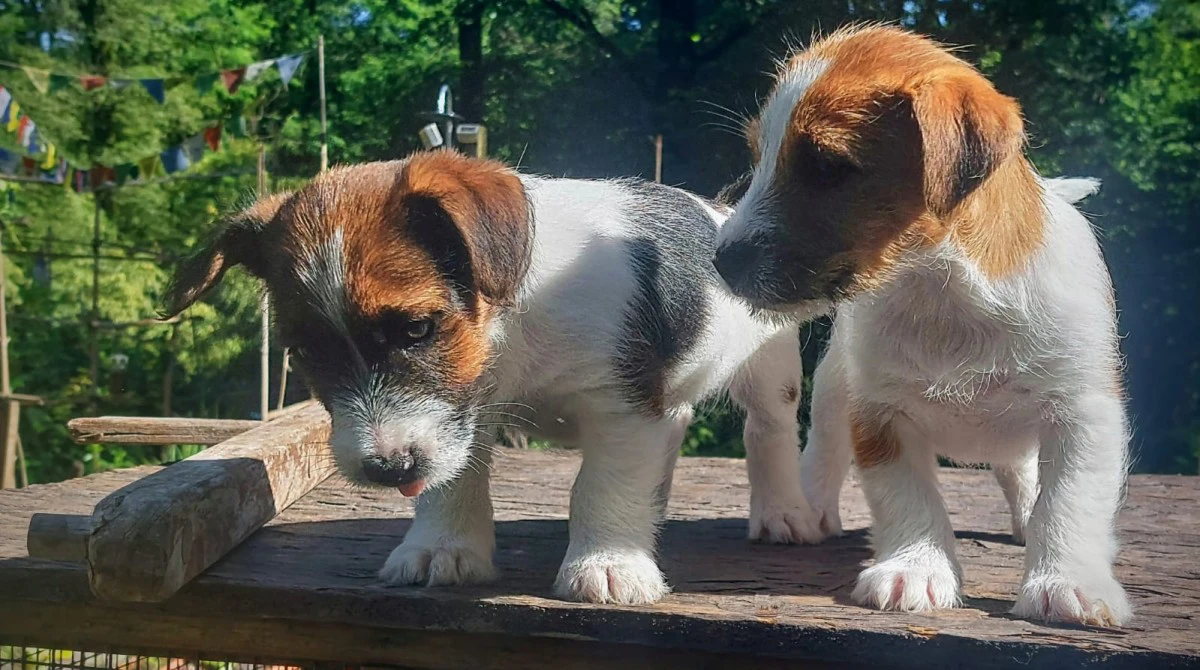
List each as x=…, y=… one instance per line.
x=1073, y=189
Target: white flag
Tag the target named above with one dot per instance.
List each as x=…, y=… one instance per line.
x=255, y=69
x=288, y=66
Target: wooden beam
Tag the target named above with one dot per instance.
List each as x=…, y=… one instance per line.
x=153, y=536
x=156, y=430
x=58, y=537
x=140, y=630
x=23, y=398
x=10, y=419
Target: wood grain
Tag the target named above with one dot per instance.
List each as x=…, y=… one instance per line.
x=154, y=535
x=314, y=566
x=156, y=430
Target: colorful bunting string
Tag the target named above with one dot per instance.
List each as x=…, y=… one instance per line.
x=55, y=169
x=46, y=81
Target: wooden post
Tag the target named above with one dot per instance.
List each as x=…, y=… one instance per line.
x=321, y=88
x=94, y=317
x=10, y=410
x=658, y=146
x=264, y=404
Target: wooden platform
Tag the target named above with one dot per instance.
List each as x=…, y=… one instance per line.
x=304, y=588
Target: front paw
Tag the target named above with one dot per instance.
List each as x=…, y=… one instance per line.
x=438, y=564
x=790, y=520
x=908, y=585
x=1057, y=597
x=619, y=578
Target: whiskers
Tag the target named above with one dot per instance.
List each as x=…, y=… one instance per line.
x=729, y=120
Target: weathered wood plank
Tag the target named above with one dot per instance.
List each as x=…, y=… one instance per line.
x=315, y=565
x=59, y=537
x=151, y=537
x=156, y=430
x=253, y=640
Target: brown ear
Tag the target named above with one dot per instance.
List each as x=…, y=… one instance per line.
x=968, y=129
x=237, y=243
x=474, y=218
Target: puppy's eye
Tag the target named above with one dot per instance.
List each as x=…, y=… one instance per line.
x=401, y=332
x=419, y=330
x=830, y=172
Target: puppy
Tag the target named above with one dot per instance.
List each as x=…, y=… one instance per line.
x=434, y=301
x=974, y=316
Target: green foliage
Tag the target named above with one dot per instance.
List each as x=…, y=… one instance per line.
x=567, y=87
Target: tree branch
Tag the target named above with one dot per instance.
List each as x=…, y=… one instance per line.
x=734, y=36
x=584, y=22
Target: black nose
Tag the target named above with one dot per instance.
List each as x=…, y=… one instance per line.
x=736, y=260
x=391, y=471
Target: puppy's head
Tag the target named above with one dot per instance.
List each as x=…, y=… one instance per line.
x=387, y=280
x=869, y=145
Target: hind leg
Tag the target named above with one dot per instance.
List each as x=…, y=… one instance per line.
x=1019, y=481
x=662, y=495
x=768, y=387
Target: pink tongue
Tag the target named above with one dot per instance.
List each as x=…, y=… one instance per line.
x=412, y=489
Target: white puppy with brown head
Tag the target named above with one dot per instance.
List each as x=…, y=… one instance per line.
x=974, y=316
x=430, y=301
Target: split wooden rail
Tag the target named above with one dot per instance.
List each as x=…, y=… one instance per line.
x=145, y=541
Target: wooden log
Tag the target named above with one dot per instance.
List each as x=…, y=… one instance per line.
x=58, y=537
x=153, y=536
x=155, y=430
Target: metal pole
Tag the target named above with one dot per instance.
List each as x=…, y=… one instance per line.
x=321, y=86
x=264, y=406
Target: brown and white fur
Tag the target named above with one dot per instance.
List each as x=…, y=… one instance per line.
x=433, y=301
x=974, y=316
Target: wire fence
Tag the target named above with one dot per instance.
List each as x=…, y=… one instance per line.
x=14, y=657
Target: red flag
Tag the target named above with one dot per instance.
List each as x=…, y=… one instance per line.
x=213, y=137
x=91, y=81
x=102, y=174
x=233, y=79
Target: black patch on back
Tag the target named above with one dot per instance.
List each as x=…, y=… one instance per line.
x=671, y=257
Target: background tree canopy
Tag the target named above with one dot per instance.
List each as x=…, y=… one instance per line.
x=1111, y=89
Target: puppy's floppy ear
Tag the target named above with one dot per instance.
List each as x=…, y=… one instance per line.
x=237, y=243
x=473, y=217
x=968, y=129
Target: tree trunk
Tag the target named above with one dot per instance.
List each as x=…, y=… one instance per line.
x=469, y=99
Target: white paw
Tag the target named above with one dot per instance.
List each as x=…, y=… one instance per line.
x=908, y=586
x=623, y=579
x=1054, y=597
x=791, y=521
x=439, y=564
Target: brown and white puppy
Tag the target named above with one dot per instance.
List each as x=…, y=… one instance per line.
x=974, y=315
x=430, y=301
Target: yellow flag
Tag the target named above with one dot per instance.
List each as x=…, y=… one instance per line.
x=48, y=164
x=14, y=117
x=39, y=78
